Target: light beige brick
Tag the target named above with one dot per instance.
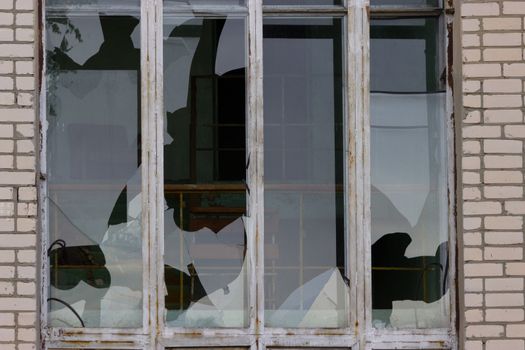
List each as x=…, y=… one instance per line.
x=24, y=99
x=17, y=50
x=514, y=69
x=7, y=272
x=472, y=254
x=7, y=334
x=502, y=85
x=471, y=193
x=6, y=83
x=25, y=19
x=503, y=176
x=7, y=98
x=473, y=345
x=481, y=208
x=503, y=162
x=471, y=147
x=503, y=253
x=515, y=131
x=25, y=146
x=7, y=209
x=17, y=178
x=24, y=67
x=471, y=40
x=503, y=299
x=480, y=70
x=6, y=4
x=472, y=55
x=504, y=238
x=503, y=116
x=472, y=101
x=504, y=345
x=26, y=318
x=502, y=101
x=504, y=315
x=471, y=178
x=6, y=161
x=26, y=272
x=7, y=256
x=26, y=209
x=17, y=240
x=6, y=130
x=25, y=162
x=473, y=284
x=484, y=331
x=26, y=334
x=25, y=83
x=7, y=225
x=6, y=34
x=27, y=193
x=17, y=115
x=474, y=86
x=25, y=34
x=6, y=67
x=474, y=315
x=515, y=330
x=483, y=269
x=29, y=288
x=26, y=256
x=502, y=146
x=503, y=222
x=471, y=223
x=17, y=304
x=7, y=319
x=481, y=131
x=502, y=39
x=502, y=23
x=472, y=238
x=514, y=7
x=24, y=4
x=6, y=193
x=480, y=9
x=6, y=19
x=502, y=54
x=470, y=25
x=493, y=192
x=515, y=269
x=7, y=287
x=473, y=299
x=26, y=224
x=504, y=284
x=471, y=163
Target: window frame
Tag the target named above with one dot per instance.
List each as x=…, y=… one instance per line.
x=360, y=333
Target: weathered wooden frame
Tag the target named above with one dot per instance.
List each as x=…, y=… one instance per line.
x=361, y=334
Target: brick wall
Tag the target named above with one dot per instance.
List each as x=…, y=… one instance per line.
x=18, y=207
x=493, y=200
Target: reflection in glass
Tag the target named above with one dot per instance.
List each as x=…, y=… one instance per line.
x=305, y=277
x=407, y=3
x=303, y=2
x=93, y=161
x=409, y=175
x=205, y=171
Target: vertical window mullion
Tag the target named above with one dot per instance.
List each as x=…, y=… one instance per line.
x=255, y=171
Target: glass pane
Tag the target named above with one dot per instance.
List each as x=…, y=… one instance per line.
x=303, y=2
x=205, y=171
x=305, y=277
x=93, y=161
x=407, y=3
x=409, y=175
x=173, y=5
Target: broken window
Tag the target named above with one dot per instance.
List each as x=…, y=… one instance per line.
x=210, y=181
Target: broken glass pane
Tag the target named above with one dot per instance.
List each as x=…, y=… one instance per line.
x=93, y=162
x=409, y=175
x=205, y=171
x=306, y=283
